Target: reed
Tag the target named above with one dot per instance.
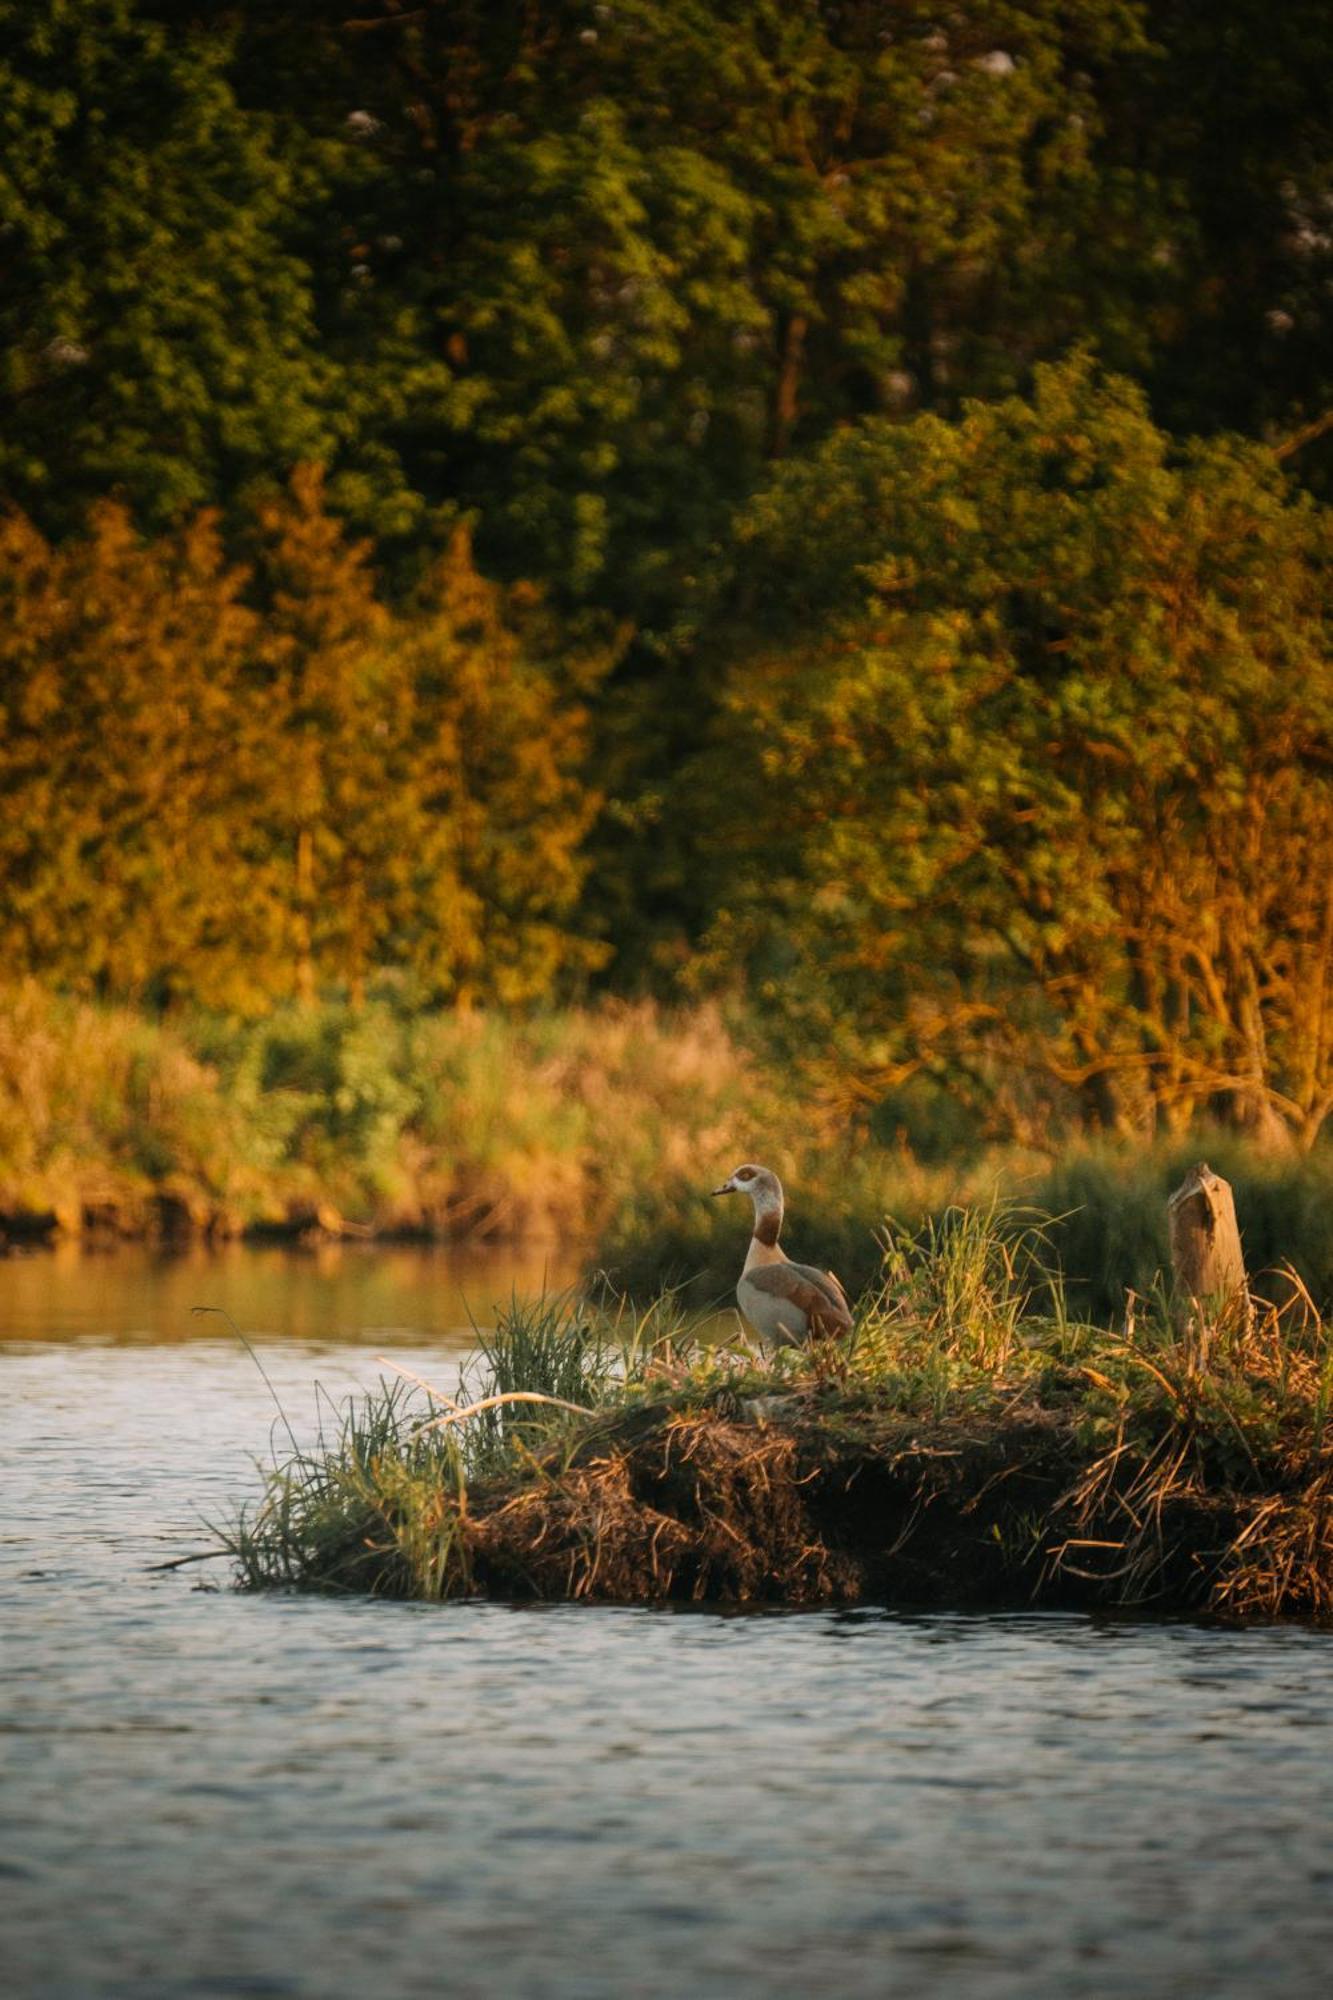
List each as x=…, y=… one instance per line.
x=372, y=1118
x=1104, y=1232
x=377, y=1501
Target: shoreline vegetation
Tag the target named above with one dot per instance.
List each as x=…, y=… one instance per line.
x=968, y=1444
x=600, y=1128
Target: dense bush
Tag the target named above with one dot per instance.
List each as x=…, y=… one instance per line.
x=1046, y=790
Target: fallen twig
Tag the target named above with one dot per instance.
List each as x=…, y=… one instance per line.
x=450, y=1402
x=462, y=1410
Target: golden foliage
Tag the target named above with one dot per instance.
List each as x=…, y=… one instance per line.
x=238, y=783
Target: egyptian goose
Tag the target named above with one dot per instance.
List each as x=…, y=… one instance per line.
x=784, y=1302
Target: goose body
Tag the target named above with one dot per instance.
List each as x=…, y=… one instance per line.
x=785, y=1303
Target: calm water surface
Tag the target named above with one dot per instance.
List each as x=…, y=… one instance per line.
x=205, y=1793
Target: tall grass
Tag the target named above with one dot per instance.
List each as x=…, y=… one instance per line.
x=371, y=1506
x=1110, y=1231
x=559, y=1346
x=443, y=1124
x=376, y=1501
x=1104, y=1236
x=1181, y=1463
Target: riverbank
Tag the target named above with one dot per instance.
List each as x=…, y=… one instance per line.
x=369, y=1121
x=968, y=1445
x=595, y=1131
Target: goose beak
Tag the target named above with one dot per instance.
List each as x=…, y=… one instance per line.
x=727, y=1187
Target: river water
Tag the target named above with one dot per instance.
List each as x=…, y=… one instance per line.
x=206, y=1793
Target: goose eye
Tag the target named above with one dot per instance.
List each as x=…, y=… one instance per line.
x=745, y=1175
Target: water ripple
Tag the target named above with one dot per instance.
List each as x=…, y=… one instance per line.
x=212, y=1795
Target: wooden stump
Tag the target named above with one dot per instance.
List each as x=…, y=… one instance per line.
x=1206, y=1254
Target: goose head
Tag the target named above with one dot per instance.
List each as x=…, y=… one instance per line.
x=760, y=1183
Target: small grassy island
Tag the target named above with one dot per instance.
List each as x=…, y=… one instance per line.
x=969, y=1444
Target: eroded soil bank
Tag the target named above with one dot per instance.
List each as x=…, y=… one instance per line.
x=798, y=1508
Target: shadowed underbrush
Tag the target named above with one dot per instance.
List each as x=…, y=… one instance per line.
x=969, y=1443
x=1106, y=1208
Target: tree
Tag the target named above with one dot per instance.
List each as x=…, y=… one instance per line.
x=157, y=339
x=658, y=244
x=1047, y=790
x=240, y=784
x=1233, y=120
x=321, y=716
x=121, y=792
x=496, y=725
x=427, y=805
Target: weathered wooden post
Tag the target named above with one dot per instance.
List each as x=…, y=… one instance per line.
x=1206, y=1254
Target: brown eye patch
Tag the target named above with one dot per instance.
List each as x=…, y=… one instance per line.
x=745, y=1173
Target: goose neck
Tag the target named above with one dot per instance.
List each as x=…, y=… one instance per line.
x=767, y=1222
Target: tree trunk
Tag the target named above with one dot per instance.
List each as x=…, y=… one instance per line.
x=1206, y=1255
x=1100, y=1108
x=786, y=398
x=305, y=926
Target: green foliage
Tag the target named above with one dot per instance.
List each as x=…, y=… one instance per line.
x=585, y=271
x=678, y=317
x=157, y=335
x=439, y=1123
x=655, y=245
x=1235, y=120
x=121, y=796
x=1045, y=792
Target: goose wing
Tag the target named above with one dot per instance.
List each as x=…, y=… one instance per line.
x=815, y=1293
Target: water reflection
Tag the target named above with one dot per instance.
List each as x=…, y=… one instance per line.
x=329, y=1292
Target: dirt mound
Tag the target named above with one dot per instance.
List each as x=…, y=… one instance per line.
x=692, y=1508
x=705, y=1508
